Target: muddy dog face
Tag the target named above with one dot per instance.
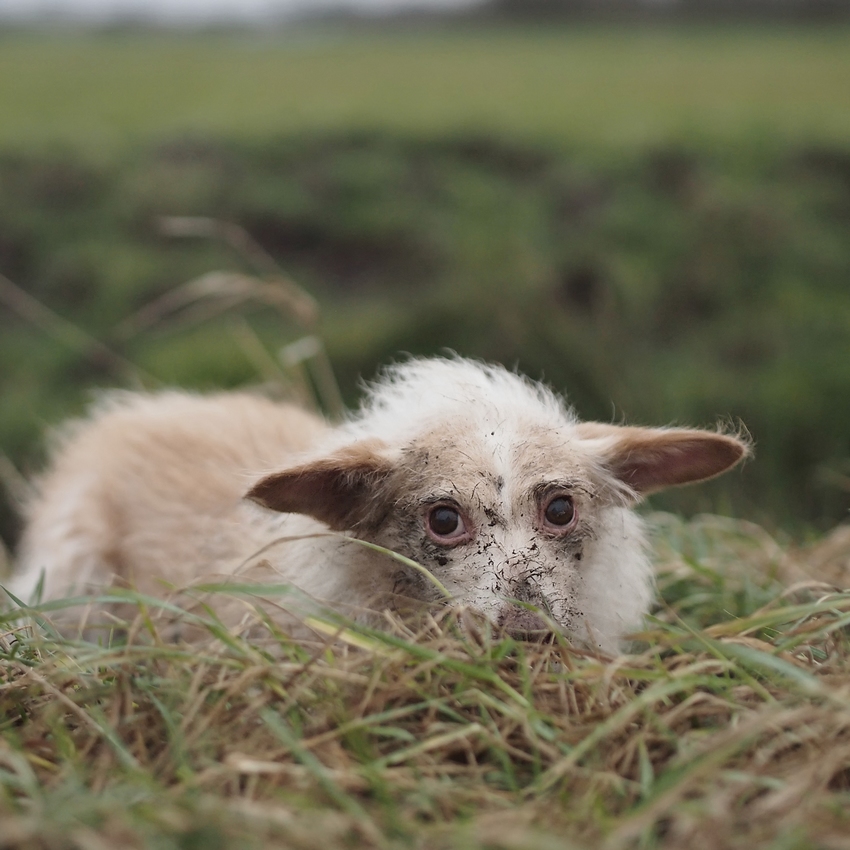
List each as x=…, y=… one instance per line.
x=514, y=506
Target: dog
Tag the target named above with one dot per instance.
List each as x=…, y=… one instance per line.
x=505, y=501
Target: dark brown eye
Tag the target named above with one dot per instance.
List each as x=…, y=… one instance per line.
x=444, y=521
x=445, y=524
x=560, y=512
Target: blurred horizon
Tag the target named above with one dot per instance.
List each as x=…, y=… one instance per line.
x=189, y=12
x=257, y=13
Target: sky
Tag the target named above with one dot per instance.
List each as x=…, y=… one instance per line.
x=203, y=10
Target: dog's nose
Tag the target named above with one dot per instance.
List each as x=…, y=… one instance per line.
x=521, y=622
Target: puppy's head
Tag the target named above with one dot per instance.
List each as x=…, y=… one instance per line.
x=513, y=505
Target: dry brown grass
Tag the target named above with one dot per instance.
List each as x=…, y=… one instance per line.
x=728, y=726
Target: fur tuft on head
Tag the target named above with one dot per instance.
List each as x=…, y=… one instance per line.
x=419, y=393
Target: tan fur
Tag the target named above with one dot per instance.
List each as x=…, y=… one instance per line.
x=153, y=488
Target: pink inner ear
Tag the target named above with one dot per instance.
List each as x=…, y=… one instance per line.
x=652, y=459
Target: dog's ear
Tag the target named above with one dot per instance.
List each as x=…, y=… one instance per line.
x=341, y=489
x=652, y=459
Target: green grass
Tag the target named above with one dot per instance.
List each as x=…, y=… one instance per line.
x=599, y=88
x=728, y=720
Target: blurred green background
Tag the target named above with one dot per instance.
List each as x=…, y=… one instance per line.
x=654, y=218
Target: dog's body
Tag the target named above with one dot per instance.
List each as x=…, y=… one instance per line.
x=482, y=477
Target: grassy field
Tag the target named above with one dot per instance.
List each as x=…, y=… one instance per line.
x=655, y=220
x=592, y=88
x=729, y=719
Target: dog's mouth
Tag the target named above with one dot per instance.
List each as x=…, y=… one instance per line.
x=516, y=620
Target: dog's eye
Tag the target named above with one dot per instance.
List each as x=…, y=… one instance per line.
x=560, y=512
x=445, y=524
x=445, y=521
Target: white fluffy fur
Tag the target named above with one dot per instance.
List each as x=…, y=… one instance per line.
x=149, y=492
